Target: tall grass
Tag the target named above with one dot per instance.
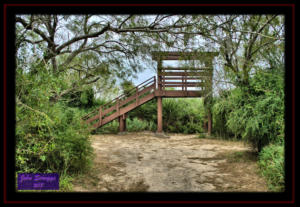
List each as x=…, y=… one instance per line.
x=271, y=163
x=135, y=125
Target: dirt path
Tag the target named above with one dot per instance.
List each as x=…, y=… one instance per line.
x=143, y=162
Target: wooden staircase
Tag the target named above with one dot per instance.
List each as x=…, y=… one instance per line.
x=118, y=107
x=182, y=80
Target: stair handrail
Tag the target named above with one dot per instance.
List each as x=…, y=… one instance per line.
x=146, y=82
x=128, y=92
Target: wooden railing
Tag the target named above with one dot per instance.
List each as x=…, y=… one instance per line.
x=122, y=104
x=183, y=78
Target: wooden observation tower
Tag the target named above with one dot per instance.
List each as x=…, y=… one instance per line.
x=184, y=81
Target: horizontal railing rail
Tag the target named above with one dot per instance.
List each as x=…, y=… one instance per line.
x=114, y=106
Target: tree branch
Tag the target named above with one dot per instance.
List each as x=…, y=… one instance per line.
x=120, y=26
x=86, y=36
x=36, y=111
x=29, y=27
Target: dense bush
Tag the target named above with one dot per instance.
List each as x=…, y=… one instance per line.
x=132, y=125
x=183, y=115
x=135, y=125
x=179, y=115
x=49, y=135
x=220, y=112
x=271, y=163
x=145, y=112
x=111, y=127
x=255, y=113
x=83, y=99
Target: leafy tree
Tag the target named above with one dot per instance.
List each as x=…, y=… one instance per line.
x=101, y=46
x=94, y=46
x=256, y=115
x=241, y=41
x=49, y=136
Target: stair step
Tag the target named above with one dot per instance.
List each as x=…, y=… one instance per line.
x=123, y=110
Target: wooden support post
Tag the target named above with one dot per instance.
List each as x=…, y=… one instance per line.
x=185, y=77
x=164, y=86
x=122, y=123
x=100, y=116
x=137, y=97
x=159, y=114
x=209, y=64
x=118, y=106
x=209, y=124
x=159, y=67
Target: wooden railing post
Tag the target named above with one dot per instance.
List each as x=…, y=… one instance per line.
x=185, y=81
x=100, y=116
x=122, y=123
x=159, y=75
x=137, y=96
x=159, y=115
x=118, y=106
x=163, y=82
x=158, y=82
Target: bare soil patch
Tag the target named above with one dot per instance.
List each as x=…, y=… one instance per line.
x=135, y=162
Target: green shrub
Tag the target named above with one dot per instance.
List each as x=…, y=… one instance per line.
x=135, y=125
x=254, y=114
x=220, y=111
x=271, y=163
x=110, y=128
x=179, y=115
x=83, y=98
x=132, y=125
x=146, y=111
x=60, y=146
x=49, y=135
x=202, y=135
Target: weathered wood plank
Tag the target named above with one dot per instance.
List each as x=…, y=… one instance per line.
x=142, y=92
x=124, y=110
x=188, y=78
x=185, y=83
x=95, y=117
x=141, y=101
x=106, y=120
x=100, y=116
x=178, y=55
x=180, y=93
x=187, y=68
x=185, y=74
x=110, y=109
x=180, y=85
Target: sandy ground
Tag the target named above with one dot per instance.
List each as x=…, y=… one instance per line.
x=144, y=162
